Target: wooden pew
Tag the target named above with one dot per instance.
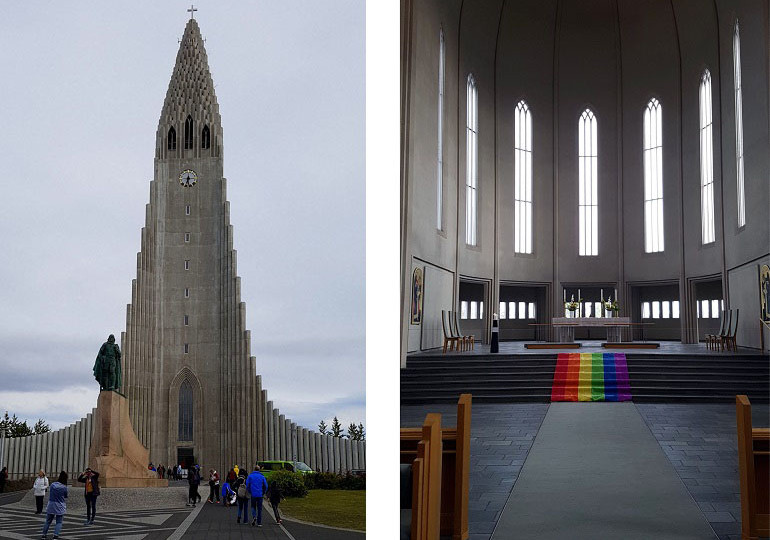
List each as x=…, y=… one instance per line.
x=426, y=481
x=455, y=471
x=754, y=472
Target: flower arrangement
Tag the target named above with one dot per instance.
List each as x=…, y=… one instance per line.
x=573, y=304
x=611, y=305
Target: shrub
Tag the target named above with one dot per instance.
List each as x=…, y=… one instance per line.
x=335, y=481
x=291, y=483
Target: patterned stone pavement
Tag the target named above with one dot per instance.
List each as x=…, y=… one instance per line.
x=700, y=441
x=501, y=436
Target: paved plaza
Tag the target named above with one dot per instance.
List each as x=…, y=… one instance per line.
x=203, y=521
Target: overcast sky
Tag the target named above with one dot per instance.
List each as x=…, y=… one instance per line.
x=81, y=89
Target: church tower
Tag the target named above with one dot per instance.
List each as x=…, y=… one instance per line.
x=188, y=371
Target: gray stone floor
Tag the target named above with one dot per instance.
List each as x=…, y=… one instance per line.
x=501, y=436
x=700, y=441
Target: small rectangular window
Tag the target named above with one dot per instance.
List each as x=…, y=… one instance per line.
x=666, y=306
x=675, y=309
x=715, y=309
x=186, y=348
x=522, y=310
x=502, y=310
x=511, y=310
x=481, y=310
x=656, y=309
x=464, y=309
x=587, y=309
x=186, y=237
x=186, y=320
x=697, y=309
x=597, y=309
x=187, y=210
x=187, y=293
x=532, y=310
x=645, y=310
x=187, y=264
x=474, y=309
x=704, y=309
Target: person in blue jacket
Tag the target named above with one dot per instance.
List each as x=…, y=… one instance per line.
x=256, y=485
x=57, y=505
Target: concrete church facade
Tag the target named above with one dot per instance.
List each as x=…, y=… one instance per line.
x=560, y=59
x=193, y=391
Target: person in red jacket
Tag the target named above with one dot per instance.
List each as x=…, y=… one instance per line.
x=214, y=485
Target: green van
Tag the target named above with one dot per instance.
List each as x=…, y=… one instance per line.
x=267, y=468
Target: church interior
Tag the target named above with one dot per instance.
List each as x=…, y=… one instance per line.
x=585, y=268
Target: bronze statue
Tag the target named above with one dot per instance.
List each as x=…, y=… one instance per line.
x=107, y=367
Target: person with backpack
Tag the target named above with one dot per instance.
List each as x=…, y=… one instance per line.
x=194, y=480
x=57, y=505
x=91, y=480
x=40, y=487
x=241, y=496
x=275, y=496
x=256, y=484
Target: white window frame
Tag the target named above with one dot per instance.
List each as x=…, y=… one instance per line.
x=186, y=237
x=665, y=309
x=472, y=162
x=474, y=309
x=653, y=177
x=532, y=314
x=708, y=234
x=503, y=310
x=715, y=309
x=675, y=309
x=187, y=210
x=521, y=310
x=440, y=134
x=739, y=126
x=464, y=309
x=522, y=151
x=645, y=310
x=588, y=194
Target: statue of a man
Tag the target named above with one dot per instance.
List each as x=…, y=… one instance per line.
x=107, y=367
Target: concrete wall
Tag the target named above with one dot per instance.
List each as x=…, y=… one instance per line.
x=561, y=57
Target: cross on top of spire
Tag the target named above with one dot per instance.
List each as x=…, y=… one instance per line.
x=192, y=11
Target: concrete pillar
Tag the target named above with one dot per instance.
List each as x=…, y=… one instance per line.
x=311, y=450
x=282, y=426
x=304, y=450
x=289, y=438
x=275, y=435
x=362, y=455
x=294, y=454
x=300, y=443
x=319, y=462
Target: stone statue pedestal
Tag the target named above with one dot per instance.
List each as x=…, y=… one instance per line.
x=116, y=452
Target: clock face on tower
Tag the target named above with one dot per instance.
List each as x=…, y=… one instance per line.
x=188, y=178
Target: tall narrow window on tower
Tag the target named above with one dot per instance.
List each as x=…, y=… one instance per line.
x=440, y=156
x=522, y=149
x=171, y=138
x=185, y=411
x=739, y=125
x=471, y=161
x=205, y=138
x=653, y=177
x=588, y=197
x=706, y=161
x=188, y=133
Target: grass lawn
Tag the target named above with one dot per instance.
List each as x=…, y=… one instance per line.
x=333, y=507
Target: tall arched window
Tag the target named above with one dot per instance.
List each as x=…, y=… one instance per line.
x=653, y=177
x=588, y=196
x=471, y=161
x=706, y=161
x=188, y=133
x=205, y=137
x=171, y=138
x=739, y=125
x=522, y=150
x=440, y=157
x=185, y=411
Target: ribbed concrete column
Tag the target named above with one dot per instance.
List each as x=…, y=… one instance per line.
x=305, y=450
x=282, y=426
x=319, y=460
x=289, y=441
x=311, y=450
x=276, y=430
x=300, y=444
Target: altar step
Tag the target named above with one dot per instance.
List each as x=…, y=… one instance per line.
x=529, y=378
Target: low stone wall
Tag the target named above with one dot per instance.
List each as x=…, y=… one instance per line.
x=116, y=499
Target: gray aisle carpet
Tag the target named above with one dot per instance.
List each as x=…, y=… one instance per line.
x=596, y=471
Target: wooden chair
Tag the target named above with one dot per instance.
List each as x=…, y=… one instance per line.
x=754, y=472
x=449, y=337
x=728, y=340
x=455, y=475
x=712, y=340
x=467, y=340
x=425, y=504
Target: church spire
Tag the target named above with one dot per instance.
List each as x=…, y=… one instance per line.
x=190, y=96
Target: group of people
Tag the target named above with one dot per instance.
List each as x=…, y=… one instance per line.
x=238, y=488
x=57, y=498
x=162, y=471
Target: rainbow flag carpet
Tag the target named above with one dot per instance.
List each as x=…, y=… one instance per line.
x=591, y=377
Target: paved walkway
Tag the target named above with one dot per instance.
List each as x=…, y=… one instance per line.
x=596, y=471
